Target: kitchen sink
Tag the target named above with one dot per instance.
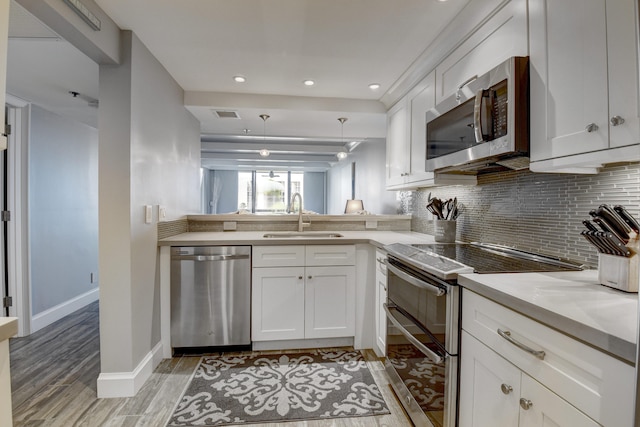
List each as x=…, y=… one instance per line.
x=302, y=235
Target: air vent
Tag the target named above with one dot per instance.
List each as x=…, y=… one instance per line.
x=226, y=114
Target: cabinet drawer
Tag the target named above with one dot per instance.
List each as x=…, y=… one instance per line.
x=278, y=256
x=595, y=383
x=331, y=255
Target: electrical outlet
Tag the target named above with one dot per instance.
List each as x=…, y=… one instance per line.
x=148, y=214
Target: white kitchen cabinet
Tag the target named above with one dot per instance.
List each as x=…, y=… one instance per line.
x=584, y=84
x=407, y=143
x=502, y=36
x=578, y=377
x=547, y=409
x=381, y=298
x=303, y=292
x=494, y=392
x=329, y=302
x=398, y=151
x=277, y=303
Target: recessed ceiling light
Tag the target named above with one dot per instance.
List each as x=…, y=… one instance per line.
x=374, y=86
x=239, y=79
x=309, y=82
x=341, y=155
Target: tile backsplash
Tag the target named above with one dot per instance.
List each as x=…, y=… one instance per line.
x=535, y=212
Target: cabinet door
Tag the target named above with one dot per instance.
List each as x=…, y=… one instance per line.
x=622, y=53
x=547, y=409
x=489, y=386
x=381, y=298
x=423, y=100
x=568, y=77
x=277, y=306
x=330, y=302
x=397, y=144
x=502, y=36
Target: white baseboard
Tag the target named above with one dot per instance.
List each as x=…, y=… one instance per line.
x=302, y=344
x=56, y=313
x=127, y=384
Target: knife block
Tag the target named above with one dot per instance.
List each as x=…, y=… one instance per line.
x=620, y=272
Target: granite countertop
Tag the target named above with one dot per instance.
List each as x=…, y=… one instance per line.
x=8, y=327
x=376, y=238
x=572, y=302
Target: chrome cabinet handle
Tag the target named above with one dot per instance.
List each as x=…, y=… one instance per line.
x=616, y=121
x=435, y=358
x=525, y=404
x=507, y=336
x=506, y=389
x=591, y=127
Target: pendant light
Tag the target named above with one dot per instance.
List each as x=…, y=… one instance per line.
x=342, y=154
x=264, y=152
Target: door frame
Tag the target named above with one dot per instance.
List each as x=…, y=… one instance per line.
x=18, y=111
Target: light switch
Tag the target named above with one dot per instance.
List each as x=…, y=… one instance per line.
x=162, y=213
x=148, y=214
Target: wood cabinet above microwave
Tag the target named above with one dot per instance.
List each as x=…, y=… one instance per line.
x=584, y=84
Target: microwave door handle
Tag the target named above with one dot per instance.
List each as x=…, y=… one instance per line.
x=419, y=283
x=435, y=358
x=477, y=116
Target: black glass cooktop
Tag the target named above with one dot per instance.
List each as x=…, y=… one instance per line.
x=448, y=259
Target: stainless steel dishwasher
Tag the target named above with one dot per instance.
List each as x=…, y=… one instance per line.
x=210, y=296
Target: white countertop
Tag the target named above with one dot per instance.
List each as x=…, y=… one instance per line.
x=571, y=302
x=376, y=238
x=8, y=327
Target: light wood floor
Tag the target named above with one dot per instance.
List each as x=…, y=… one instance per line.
x=54, y=372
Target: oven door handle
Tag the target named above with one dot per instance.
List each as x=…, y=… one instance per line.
x=438, y=291
x=435, y=358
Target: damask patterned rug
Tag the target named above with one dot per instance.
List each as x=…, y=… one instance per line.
x=247, y=388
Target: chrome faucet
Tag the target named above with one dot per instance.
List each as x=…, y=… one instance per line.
x=301, y=224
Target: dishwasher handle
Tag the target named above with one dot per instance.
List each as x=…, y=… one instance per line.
x=209, y=257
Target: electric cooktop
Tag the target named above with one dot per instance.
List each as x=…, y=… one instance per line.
x=446, y=259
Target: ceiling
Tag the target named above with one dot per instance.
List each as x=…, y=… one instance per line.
x=343, y=45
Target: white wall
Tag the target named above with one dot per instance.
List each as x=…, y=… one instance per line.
x=370, y=160
x=63, y=209
x=149, y=155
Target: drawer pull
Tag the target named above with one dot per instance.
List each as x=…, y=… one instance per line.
x=507, y=336
x=525, y=404
x=506, y=389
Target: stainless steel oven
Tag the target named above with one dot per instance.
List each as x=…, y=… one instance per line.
x=422, y=343
x=423, y=309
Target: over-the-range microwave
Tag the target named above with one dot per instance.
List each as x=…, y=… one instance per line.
x=484, y=125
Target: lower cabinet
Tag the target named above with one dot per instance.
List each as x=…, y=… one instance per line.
x=307, y=300
x=516, y=371
x=494, y=392
x=381, y=298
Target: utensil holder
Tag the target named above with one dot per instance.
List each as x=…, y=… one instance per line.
x=445, y=231
x=619, y=272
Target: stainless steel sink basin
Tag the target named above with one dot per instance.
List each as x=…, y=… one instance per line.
x=301, y=235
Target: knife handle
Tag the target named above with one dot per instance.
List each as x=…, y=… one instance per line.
x=593, y=241
x=607, y=229
x=615, y=223
x=627, y=217
x=589, y=225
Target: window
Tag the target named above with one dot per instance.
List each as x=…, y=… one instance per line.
x=273, y=190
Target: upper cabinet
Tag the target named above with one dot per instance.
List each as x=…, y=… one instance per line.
x=487, y=42
x=584, y=84
x=502, y=36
